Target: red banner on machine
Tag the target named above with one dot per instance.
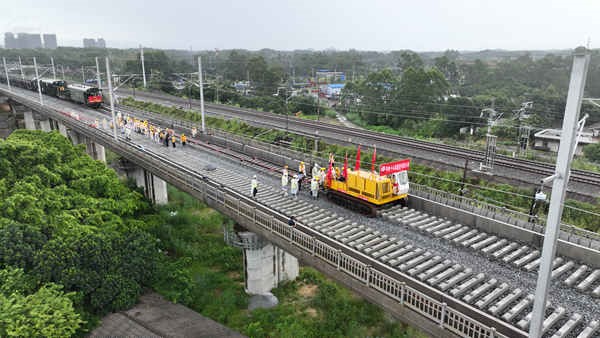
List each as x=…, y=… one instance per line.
x=393, y=167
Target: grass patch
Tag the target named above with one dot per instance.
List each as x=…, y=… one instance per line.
x=200, y=271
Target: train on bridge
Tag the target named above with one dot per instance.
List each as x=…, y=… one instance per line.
x=90, y=96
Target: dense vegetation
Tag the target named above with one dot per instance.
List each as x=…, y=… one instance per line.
x=77, y=243
x=205, y=274
x=73, y=244
x=509, y=196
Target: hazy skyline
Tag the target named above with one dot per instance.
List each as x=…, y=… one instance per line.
x=428, y=25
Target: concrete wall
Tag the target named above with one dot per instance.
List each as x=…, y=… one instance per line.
x=587, y=256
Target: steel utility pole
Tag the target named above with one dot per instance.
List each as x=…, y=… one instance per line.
x=37, y=77
x=62, y=69
x=98, y=77
x=112, y=102
x=143, y=66
x=53, y=69
x=201, y=93
x=21, y=68
x=568, y=142
x=6, y=73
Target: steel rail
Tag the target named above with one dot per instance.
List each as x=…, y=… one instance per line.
x=435, y=304
x=384, y=141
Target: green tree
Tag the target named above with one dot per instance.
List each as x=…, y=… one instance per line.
x=592, y=152
x=26, y=312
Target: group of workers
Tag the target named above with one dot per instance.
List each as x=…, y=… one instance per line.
x=291, y=186
x=128, y=124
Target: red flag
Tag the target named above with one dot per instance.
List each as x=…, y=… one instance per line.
x=357, y=165
x=345, y=170
x=374, y=158
x=329, y=173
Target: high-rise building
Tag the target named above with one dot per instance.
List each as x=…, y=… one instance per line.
x=93, y=43
x=25, y=40
x=89, y=43
x=9, y=41
x=50, y=41
x=31, y=41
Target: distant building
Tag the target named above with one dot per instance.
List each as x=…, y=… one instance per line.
x=29, y=41
x=50, y=41
x=93, y=43
x=549, y=139
x=9, y=41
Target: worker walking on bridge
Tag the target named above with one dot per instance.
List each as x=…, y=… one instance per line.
x=284, y=184
x=314, y=187
x=254, y=186
x=301, y=174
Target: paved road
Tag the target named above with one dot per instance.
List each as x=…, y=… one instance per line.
x=156, y=317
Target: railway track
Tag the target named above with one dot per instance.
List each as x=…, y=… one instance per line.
x=438, y=276
x=385, y=141
x=484, y=292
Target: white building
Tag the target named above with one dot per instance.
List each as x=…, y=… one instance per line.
x=549, y=139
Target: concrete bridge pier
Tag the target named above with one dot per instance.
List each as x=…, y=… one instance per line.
x=95, y=150
x=29, y=121
x=7, y=118
x=62, y=129
x=45, y=125
x=265, y=265
x=154, y=187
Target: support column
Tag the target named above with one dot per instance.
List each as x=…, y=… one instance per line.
x=265, y=264
x=29, y=122
x=97, y=151
x=159, y=188
x=45, y=125
x=62, y=129
x=287, y=267
x=155, y=189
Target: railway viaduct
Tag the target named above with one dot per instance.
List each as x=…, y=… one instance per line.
x=408, y=299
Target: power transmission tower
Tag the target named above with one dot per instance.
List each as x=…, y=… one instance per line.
x=490, y=146
x=523, y=131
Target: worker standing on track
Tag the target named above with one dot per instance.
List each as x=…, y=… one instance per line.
x=322, y=176
x=285, y=170
x=254, y=187
x=173, y=140
x=315, y=170
x=284, y=184
x=294, y=187
x=194, y=132
x=183, y=140
x=301, y=174
x=314, y=188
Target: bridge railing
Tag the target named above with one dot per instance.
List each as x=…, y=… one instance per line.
x=568, y=233
x=352, y=263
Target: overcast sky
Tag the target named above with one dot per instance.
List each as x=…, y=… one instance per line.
x=421, y=25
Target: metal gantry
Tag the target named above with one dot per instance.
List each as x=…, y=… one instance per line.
x=560, y=179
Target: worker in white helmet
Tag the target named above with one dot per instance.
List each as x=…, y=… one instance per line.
x=294, y=187
x=315, y=170
x=284, y=183
x=314, y=187
x=254, y=186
